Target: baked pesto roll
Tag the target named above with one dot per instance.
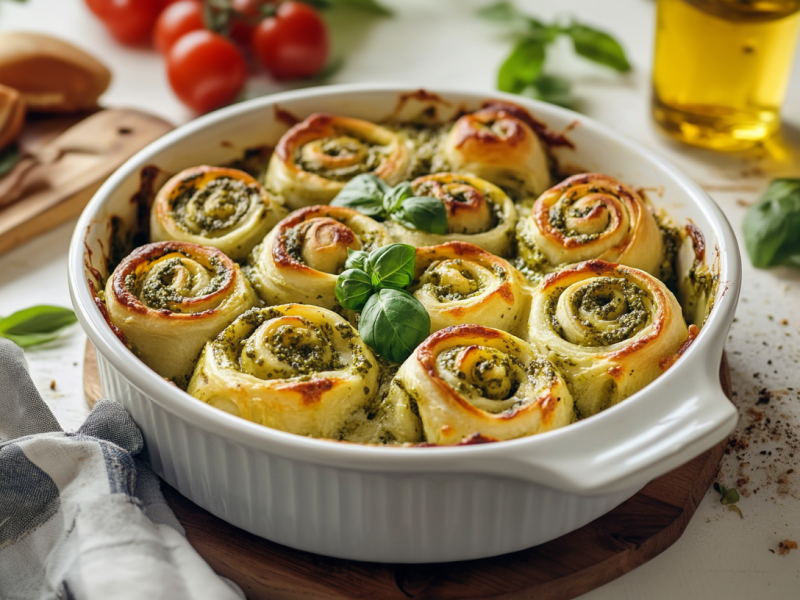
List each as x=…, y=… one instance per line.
x=458, y=283
x=498, y=143
x=590, y=216
x=302, y=257
x=609, y=329
x=214, y=206
x=315, y=158
x=478, y=212
x=471, y=379
x=293, y=367
x=170, y=298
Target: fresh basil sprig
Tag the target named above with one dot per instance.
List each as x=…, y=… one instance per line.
x=392, y=266
x=371, y=196
x=35, y=325
x=393, y=322
x=523, y=70
x=772, y=225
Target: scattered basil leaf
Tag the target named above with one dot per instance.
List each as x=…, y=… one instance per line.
x=598, y=46
x=424, y=213
x=731, y=496
x=522, y=67
x=522, y=72
x=501, y=11
x=395, y=197
x=356, y=259
x=35, y=325
x=363, y=193
x=552, y=89
x=353, y=289
x=394, y=323
x=737, y=510
x=728, y=498
x=8, y=158
x=772, y=226
x=392, y=266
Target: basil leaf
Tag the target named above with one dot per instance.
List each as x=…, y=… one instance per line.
x=394, y=323
x=392, y=266
x=772, y=226
x=424, y=213
x=552, y=89
x=35, y=325
x=392, y=200
x=353, y=288
x=501, y=11
x=364, y=193
x=356, y=259
x=598, y=46
x=731, y=496
x=523, y=66
x=8, y=158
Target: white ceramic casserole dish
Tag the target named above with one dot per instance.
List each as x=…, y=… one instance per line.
x=393, y=504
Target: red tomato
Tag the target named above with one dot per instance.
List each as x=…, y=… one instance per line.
x=293, y=43
x=247, y=14
x=129, y=21
x=176, y=20
x=205, y=70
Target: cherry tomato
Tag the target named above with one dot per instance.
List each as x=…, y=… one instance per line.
x=205, y=70
x=247, y=14
x=293, y=43
x=176, y=20
x=129, y=21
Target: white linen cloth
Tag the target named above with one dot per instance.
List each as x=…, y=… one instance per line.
x=80, y=516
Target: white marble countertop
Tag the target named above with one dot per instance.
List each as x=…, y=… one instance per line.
x=430, y=43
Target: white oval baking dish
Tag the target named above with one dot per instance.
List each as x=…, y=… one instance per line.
x=412, y=504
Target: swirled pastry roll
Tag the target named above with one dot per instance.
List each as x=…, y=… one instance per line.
x=459, y=283
x=214, y=206
x=477, y=212
x=610, y=329
x=315, y=158
x=498, y=144
x=590, y=216
x=297, y=368
x=170, y=298
x=301, y=258
x=471, y=379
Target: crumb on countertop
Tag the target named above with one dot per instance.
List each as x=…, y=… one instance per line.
x=786, y=546
x=53, y=384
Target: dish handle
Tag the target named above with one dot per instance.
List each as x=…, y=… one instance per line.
x=661, y=428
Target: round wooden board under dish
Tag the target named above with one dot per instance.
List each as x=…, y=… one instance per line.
x=619, y=541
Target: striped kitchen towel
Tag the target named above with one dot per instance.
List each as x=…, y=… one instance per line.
x=80, y=516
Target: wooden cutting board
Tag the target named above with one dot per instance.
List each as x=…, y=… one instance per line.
x=628, y=536
x=64, y=160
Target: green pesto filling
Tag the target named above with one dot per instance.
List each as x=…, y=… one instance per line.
x=156, y=288
x=337, y=146
x=216, y=207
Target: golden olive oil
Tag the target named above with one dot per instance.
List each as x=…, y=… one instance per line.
x=721, y=68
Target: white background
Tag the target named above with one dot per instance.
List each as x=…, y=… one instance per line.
x=430, y=43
